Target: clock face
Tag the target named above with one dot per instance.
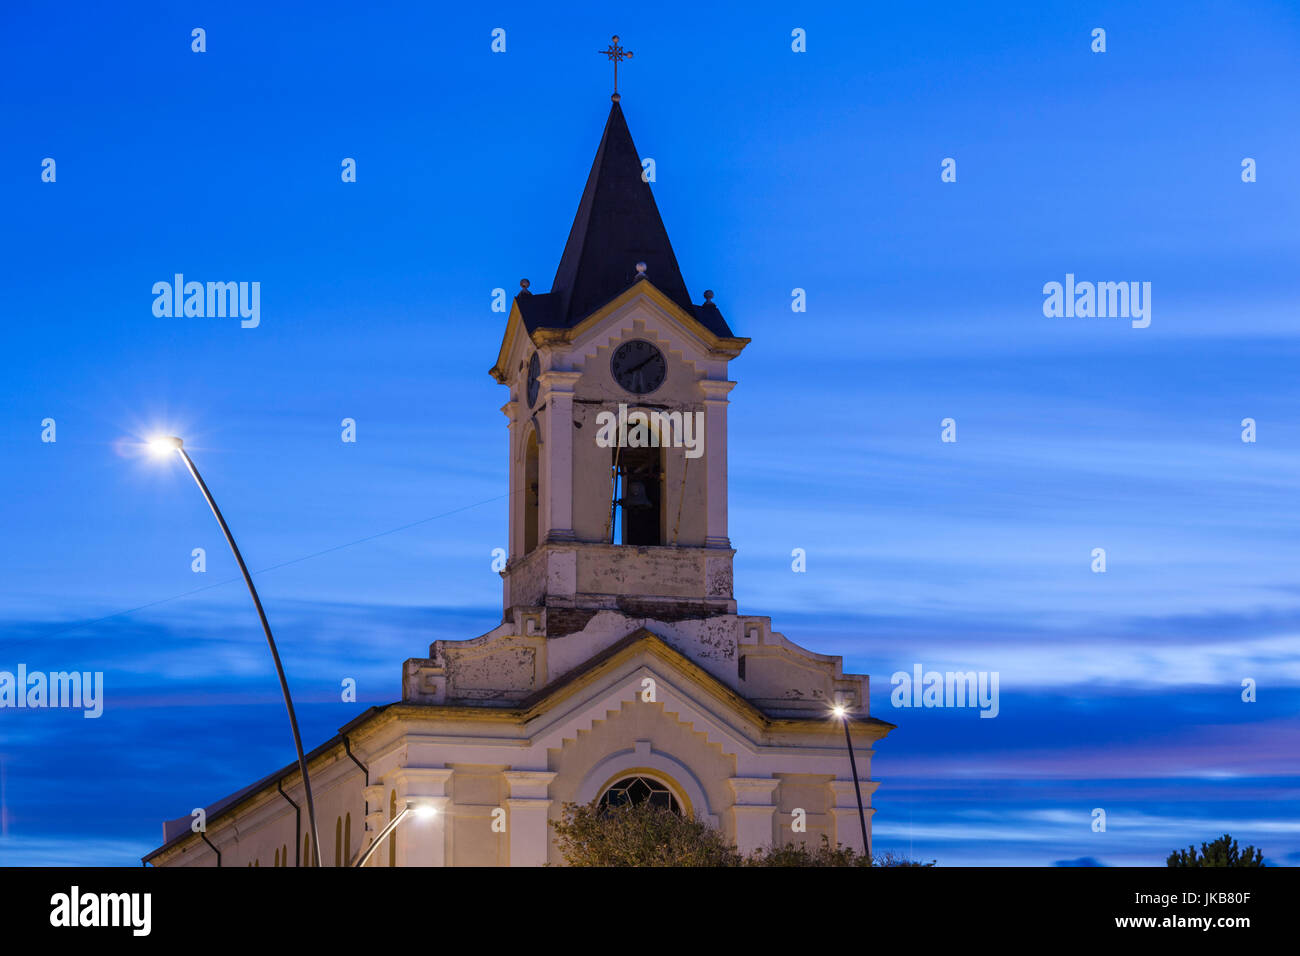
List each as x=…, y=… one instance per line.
x=638, y=367
x=534, y=369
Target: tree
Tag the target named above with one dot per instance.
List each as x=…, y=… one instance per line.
x=638, y=835
x=1222, y=852
x=800, y=854
x=890, y=858
x=646, y=835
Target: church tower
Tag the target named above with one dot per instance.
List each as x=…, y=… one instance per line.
x=638, y=523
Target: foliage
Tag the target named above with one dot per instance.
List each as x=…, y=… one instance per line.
x=890, y=858
x=645, y=835
x=638, y=835
x=800, y=854
x=1222, y=852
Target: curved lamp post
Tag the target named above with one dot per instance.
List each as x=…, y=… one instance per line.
x=161, y=446
x=842, y=713
x=422, y=810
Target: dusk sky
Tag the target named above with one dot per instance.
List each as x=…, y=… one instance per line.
x=775, y=171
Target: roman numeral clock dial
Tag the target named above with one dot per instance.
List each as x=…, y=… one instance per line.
x=638, y=367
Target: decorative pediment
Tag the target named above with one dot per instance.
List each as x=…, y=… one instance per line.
x=519, y=341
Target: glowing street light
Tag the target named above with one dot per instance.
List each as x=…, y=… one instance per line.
x=840, y=711
x=163, y=446
x=422, y=811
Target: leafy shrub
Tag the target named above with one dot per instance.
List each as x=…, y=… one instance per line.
x=646, y=835
x=638, y=835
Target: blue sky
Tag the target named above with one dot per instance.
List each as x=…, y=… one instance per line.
x=775, y=170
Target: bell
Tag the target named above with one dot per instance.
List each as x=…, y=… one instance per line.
x=636, y=498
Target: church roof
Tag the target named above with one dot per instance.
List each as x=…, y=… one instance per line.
x=617, y=225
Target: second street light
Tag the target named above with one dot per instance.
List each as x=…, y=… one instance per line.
x=842, y=713
x=424, y=811
x=164, y=446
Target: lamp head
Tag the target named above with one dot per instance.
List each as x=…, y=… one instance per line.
x=839, y=711
x=423, y=811
x=163, y=445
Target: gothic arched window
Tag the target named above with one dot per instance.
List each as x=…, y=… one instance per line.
x=637, y=790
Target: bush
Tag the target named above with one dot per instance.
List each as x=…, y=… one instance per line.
x=799, y=854
x=890, y=858
x=1222, y=852
x=644, y=835
x=638, y=835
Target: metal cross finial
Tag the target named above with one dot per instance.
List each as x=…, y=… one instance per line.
x=616, y=53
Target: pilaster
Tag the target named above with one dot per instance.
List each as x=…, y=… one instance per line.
x=844, y=813
x=423, y=841
x=753, y=811
x=528, y=823
x=715, y=457
x=557, y=483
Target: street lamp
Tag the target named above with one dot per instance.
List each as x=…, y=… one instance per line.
x=423, y=811
x=162, y=447
x=840, y=711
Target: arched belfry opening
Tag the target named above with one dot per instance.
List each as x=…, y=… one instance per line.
x=532, y=493
x=636, y=507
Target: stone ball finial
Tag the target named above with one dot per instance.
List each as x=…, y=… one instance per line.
x=615, y=98
x=523, y=284
x=640, y=270
x=708, y=295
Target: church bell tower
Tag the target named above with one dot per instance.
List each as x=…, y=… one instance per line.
x=617, y=417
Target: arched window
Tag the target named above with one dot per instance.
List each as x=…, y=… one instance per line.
x=392, y=837
x=277, y=856
x=638, y=496
x=637, y=790
x=306, y=850
x=338, y=842
x=532, y=493
x=284, y=854
x=347, y=841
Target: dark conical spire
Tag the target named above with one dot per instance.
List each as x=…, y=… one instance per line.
x=617, y=226
x=617, y=229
